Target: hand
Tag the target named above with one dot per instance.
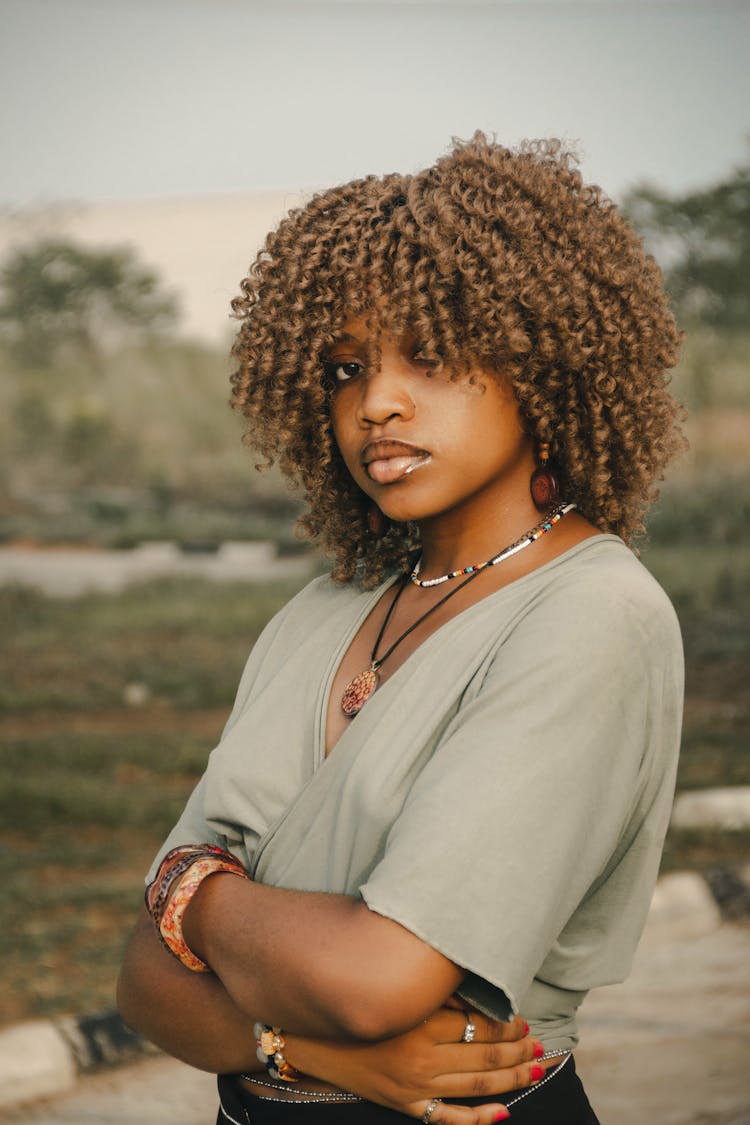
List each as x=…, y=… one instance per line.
x=431, y=1061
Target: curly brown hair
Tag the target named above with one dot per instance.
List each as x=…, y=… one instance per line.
x=492, y=258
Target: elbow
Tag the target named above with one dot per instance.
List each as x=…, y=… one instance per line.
x=373, y=1025
x=126, y=1001
x=393, y=983
x=136, y=988
x=378, y=1014
x=363, y=1024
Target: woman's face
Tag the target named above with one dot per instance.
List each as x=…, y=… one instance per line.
x=420, y=444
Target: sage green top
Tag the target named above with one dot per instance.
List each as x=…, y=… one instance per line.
x=504, y=795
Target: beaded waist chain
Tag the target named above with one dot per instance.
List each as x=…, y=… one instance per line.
x=286, y=1093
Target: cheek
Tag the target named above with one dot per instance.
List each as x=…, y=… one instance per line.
x=338, y=427
x=346, y=440
x=479, y=432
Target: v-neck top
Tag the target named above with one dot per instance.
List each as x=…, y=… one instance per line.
x=504, y=794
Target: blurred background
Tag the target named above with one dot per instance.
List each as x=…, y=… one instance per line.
x=147, y=148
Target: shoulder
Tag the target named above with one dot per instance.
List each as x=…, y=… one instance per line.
x=602, y=588
x=594, y=613
x=592, y=659
x=320, y=605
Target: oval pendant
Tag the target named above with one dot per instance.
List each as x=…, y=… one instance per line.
x=358, y=691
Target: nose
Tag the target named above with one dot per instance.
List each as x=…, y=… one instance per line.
x=386, y=393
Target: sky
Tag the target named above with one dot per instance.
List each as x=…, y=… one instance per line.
x=104, y=100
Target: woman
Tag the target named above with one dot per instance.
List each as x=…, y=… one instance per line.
x=449, y=768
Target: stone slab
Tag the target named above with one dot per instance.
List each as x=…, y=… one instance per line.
x=35, y=1060
x=726, y=808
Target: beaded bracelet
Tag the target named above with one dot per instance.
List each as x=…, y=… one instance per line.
x=271, y=1046
x=167, y=898
x=175, y=863
x=172, y=869
x=170, y=927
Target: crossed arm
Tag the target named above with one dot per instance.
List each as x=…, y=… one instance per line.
x=320, y=965
x=333, y=974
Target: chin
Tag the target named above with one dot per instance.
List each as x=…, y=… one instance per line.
x=409, y=513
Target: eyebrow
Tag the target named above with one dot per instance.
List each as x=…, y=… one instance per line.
x=347, y=337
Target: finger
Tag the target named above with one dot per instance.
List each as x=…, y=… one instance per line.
x=490, y=1083
x=509, y=1029
x=468, y=1058
x=497, y=1031
x=448, y=1025
x=444, y=1114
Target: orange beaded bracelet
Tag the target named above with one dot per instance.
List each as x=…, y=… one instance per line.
x=168, y=897
x=170, y=927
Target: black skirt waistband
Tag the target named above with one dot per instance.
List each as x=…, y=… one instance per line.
x=558, y=1100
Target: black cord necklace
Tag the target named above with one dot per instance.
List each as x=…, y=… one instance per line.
x=359, y=690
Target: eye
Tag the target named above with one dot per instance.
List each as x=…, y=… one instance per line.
x=341, y=371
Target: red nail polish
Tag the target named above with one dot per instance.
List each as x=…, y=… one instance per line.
x=502, y=1115
x=536, y=1073
x=525, y=1029
x=538, y=1050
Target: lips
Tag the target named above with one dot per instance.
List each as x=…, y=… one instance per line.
x=388, y=461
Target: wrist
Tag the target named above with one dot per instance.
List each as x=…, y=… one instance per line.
x=325, y=1060
x=272, y=1045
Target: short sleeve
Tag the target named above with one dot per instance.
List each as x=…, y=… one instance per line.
x=557, y=766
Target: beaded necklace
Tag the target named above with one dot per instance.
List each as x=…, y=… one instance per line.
x=362, y=686
x=526, y=540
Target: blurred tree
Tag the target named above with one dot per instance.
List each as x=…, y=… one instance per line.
x=702, y=240
x=56, y=296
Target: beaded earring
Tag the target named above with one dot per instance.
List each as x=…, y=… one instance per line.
x=545, y=487
x=378, y=524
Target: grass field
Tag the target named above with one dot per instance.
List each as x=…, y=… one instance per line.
x=90, y=786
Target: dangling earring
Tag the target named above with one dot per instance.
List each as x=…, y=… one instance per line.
x=545, y=488
x=377, y=523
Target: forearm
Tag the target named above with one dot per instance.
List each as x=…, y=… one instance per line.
x=320, y=965
x=189, y=1015
x=432, y=1061
x=340, y=1064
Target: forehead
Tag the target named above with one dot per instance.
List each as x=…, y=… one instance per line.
x=355, y=330
x=372, y=330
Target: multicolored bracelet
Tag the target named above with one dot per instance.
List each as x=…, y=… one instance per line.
x=175, y=864
x=170, y=927
x=181, y=873
x=270, y=1050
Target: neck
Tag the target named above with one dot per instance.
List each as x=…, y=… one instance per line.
x=448, y=544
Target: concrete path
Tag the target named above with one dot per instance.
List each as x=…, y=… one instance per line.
x=155, y=1091
x=68, y=572
x=671, y=1046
